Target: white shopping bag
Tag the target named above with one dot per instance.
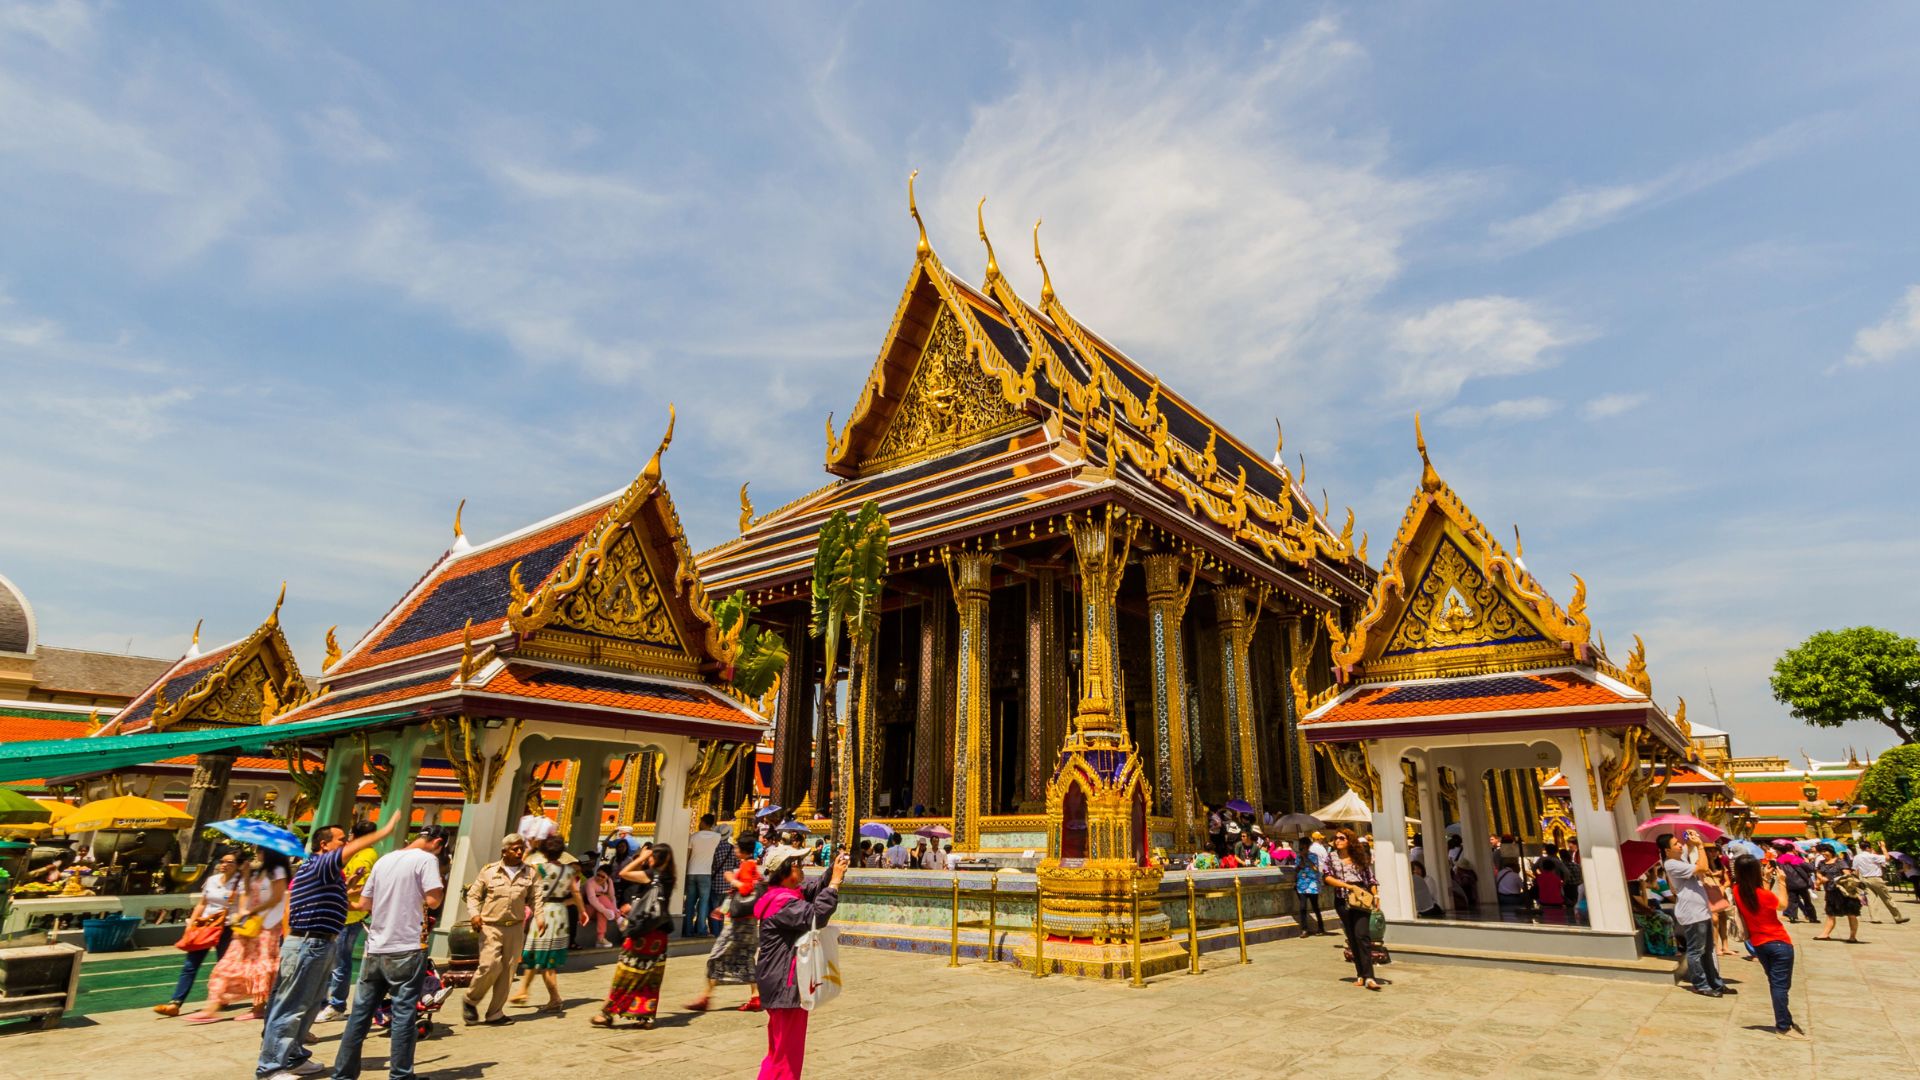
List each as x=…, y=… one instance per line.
x=816, y=967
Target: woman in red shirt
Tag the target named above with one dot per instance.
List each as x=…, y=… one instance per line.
x=1760, y=911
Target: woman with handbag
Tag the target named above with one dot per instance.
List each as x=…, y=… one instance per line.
x=247, y=967
x=643, y=950
x=207, y=929
x=556, y=895
x=790, y=908
x=1350, y=871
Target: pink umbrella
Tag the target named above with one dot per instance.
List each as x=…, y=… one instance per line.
x=1679, y=823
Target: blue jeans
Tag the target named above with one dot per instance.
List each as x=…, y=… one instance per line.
x=340, y=979
x=399, y=975
x=190, y=968
x=296, y=997
x=1776, y=957
x=699, y=899
x=1701, y=967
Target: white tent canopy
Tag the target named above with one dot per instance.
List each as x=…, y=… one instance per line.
x=1347, y=808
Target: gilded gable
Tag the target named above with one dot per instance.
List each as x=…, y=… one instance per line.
x=1453, y=606
x=949, y=403
x=621, y=599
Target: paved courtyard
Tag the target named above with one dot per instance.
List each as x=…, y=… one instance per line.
x=1287, y=1014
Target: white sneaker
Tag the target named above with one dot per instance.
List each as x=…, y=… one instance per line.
x=310, y=1067
x=329, y=1014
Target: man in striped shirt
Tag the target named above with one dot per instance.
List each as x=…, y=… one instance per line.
x=316, y=914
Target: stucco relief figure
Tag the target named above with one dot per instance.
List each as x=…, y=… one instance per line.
x=1817, y=810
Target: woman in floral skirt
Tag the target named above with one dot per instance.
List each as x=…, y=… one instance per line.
x=556, y=887
x=246, y=970
x=643, y=951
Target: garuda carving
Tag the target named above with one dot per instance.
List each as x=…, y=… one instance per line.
x=949, y=402
x=621, y=599
x=1454, y=605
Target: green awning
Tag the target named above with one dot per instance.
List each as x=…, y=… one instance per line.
x=67, y=757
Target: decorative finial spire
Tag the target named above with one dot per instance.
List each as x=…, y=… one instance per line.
x=1279, y=444
x=460, y=541
x=333, y=649
x=1046, y=279
x=921, y=249
x=193, y=647
x=746, y=509
x=275, y=617
x=652, y=471
x=980, y=217
x=1429, y=479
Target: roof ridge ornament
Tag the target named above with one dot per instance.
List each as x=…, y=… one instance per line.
x=275, y=617
x=922, y=249
x=1046, y=279
x=746, y=508
x=1429, y=479
x=193, y=647
x=460, y=541
x=980, y=219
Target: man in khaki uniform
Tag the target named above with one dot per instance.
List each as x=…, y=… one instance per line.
x=497, y=906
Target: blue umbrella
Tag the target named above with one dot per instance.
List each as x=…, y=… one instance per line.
x=1744, y=847
x=873, y=830
x=768, y=810
x=791, y=826
x=263, y=834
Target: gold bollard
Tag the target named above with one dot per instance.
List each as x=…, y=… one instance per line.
x=1193, y=929
x=1240, y=917
x=1039, y=936
x=993, y=903
x=1139, y=979
x=953, y=952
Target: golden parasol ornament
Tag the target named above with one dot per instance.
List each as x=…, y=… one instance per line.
x=125, y=812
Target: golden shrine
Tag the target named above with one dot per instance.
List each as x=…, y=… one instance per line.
x=1000, y=438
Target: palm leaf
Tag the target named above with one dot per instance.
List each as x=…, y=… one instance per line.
x=762, y=657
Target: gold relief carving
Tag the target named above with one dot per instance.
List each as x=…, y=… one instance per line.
x=709, y=769
x=950, y=402
x=1617, y=773
x=1453, y=605
x=1351, y=763
x=622, y=600
x=474, y=768
x=237, y=698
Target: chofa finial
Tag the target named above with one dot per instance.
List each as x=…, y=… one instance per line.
x=459, y=532
x=980, y=218
x=746, y=509
x=193, y=647
x=652, y=471
x=921, y=249
x=1046, y=279
x=196, y=630
x=1429, y=479
x=275, y=617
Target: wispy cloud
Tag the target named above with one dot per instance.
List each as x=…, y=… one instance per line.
x=1517, y=410
x=65, y=25
x=1588, y=208
x=1891, y=338
x=1609, y=405
x=1486, y=336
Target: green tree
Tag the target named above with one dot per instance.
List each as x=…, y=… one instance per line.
x=1892, y=781
x=849, y=568
x=1863, y=673
x=760, y=655
x=1901, y=829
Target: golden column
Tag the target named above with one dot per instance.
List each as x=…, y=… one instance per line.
x=1166, y=607
x=1236, y=687
x=971, y=574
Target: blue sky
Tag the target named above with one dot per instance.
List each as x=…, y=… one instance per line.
x=279, y=286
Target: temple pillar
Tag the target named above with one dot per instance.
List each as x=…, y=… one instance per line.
x=1474, y=829
x=1433, y=829
x=1045, y=701
x=1601, y=870
x=1236, y=688
x=971, y=574
x=855, y=747
x=793, y=720
x=488, y=814
x=1173, y=770
x=673, y=822
x=404, y=750
x=932, y=746
x=207, y=801
x=590, y=787
x=1391, y=863
x=340, y=787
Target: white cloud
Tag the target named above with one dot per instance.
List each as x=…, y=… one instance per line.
x=1588, y=208
x=1608, y=405
x=1447, y=345
x=134, y=416
x=338, y=132
x=1894, y=336
x=1517, y=410
x=65, y=25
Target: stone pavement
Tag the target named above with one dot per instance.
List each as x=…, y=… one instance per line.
x=1289, y=1013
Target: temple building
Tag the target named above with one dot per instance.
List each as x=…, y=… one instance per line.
x=989, y=430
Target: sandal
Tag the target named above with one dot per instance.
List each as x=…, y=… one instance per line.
x=646, y=1023
x=555, y=1007
x=601, y=1020
x=1374, y=986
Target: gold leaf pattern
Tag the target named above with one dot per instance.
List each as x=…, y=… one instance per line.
x=1455, y=605
x=621, y=599
x=950, y=402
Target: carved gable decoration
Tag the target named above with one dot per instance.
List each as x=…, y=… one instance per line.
x=1453, y=606
x=950, y=402
x=621, y=599
x=237, y=699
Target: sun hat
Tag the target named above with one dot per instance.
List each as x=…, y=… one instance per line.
x=777, y=856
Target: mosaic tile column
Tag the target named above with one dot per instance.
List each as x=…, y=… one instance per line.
x=1044, y=699
x=1173, y=771
x=1305, y=797
x=932, y=741
x=972, y=578
x=1236, y=688
x=793, y=720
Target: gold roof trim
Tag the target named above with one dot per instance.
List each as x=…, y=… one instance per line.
x=265, y=639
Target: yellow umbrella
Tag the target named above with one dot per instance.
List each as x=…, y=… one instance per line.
x=125, y=812
x=59, y=810
x=36, y=828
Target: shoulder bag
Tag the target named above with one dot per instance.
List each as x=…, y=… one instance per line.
x=204, y=935
x=816, y=966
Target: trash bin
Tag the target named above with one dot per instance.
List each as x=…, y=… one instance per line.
x=113, y=933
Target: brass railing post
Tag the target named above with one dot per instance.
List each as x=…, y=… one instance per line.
x=1139, y=979
x=1240, y=918
x=953, y=952
x=993, y=903
x=1039, y=935
x=1193, y=929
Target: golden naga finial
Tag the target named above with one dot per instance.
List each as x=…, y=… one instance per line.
x=333, y=649
x=746, y=509
x=980, y=218
x=1361, y=552
x=1519, y=549
x=1279, y=443
x=275, y=617
x=1046, y=279
x=195, y=643
x=921, y=249
x=652, y=471
x=1429, y=479
x=466, y=652
x=1636, y=671
x=459, y=532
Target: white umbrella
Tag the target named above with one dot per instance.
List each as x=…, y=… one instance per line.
x=1346, y=808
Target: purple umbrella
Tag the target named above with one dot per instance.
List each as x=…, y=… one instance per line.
x=873, y=830
x=934, y=832
x=1240, y=806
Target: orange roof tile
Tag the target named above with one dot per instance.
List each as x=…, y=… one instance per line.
x=616, y=692
x=1466, y=697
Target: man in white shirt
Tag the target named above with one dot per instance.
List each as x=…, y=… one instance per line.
x=953, y=860
x=695, y=921
x=402, y=888
x=930, y=857
x=898, y=857
x=1872, y=868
